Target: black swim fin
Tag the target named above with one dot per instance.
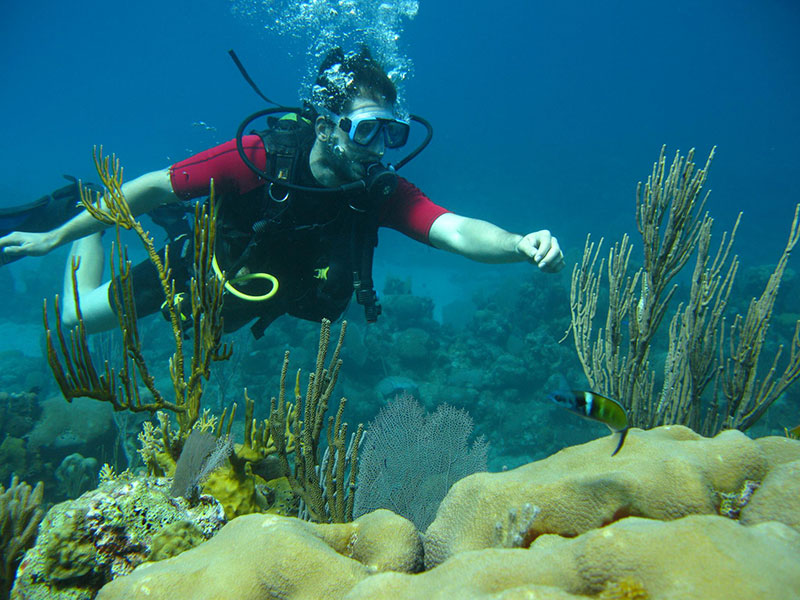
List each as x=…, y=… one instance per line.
x=46, y=213
x=58, y=207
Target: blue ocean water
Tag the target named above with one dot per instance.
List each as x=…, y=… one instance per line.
x=545, y=114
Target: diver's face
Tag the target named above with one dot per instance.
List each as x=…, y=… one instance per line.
x=346, y=158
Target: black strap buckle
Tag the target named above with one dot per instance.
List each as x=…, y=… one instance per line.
x=367, y=297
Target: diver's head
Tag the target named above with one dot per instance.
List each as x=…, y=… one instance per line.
x=344, y=77
x=355, y=103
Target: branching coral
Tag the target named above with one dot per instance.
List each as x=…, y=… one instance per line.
x=617, y=362
x=20, y=514
x=324, y=486
x=72, y=362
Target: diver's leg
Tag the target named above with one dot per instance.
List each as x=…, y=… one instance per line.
x=95, y=307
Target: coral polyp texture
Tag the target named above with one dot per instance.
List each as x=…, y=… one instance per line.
x=645, y=524
x=105, y=533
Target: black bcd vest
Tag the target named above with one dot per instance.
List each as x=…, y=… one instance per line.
x=316, y=245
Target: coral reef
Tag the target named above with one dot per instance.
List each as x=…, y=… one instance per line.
x=20, y=514
x=411, y=459
x=323, y=481
x=13, y=457
x=693, y=558
x=776, y=498
x=77, y=474
x=173, y=539
x=642, y=525
x=202, y=453
x=238, y=491
x=471, y=368
x=18, y=412
x=666, y=473
x=731, y=504
x=72, y=362
x=105, y=533
x=269, y=556
x=72, y=427
x=42, y=437
x=616, y=358
x=564, y=527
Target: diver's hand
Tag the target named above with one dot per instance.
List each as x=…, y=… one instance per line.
x=18, y=244
x=542, y=249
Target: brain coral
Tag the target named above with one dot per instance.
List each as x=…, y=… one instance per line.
x=665, y=473
x=587, y=540
x=694, y=558
x=271, y=556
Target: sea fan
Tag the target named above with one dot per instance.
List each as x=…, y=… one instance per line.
x=202, y=453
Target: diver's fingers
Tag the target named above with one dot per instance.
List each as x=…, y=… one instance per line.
x=7, y=257
x=525, y=247
x=546, y=251
x=535, y=245
x=10, y=249
x=19, y=244
x=553, y=260
x=542, y=249
x=11, y=240
x=10, y=254
x=541, y=241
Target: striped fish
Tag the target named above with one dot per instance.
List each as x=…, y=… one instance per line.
x=595, y=407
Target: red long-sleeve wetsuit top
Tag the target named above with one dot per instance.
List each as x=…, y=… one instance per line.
x=408, y=210
x=306, y=243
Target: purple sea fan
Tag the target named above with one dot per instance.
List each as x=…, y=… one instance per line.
x=409, y=459
x=202, y=453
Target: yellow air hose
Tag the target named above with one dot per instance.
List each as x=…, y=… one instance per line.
x=250, y=276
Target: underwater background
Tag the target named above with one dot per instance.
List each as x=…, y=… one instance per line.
x=545, y=116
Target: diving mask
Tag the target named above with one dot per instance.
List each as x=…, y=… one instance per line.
x=363, y=125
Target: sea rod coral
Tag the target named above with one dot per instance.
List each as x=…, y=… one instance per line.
x=711, y=377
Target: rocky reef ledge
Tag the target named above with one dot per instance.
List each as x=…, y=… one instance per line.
x=672, y=516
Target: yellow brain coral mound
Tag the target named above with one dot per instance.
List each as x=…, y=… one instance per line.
x=380, y=540
x=262, y=557
x=777, y=498
x=694, y=558
x=583, y=495
x=665, y=473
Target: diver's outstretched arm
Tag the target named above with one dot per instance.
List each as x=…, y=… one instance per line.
x=143, y=194
x=484, y=242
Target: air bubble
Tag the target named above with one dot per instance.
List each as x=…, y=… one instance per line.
x=320, y=25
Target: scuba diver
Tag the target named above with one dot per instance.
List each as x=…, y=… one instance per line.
x=299, y=208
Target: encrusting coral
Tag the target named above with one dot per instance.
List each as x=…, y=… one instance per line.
x=269, y=556
x=698, y=557
x=665, y=473
x=776, y=498
x=175, y=538
x=105, y=533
